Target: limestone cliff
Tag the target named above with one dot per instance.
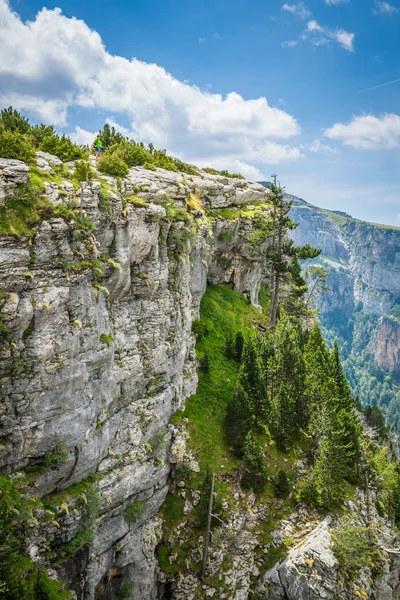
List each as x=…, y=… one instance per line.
x=99, y=352
x=363, y=260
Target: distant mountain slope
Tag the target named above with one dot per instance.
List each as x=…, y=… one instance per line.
x=363, y=308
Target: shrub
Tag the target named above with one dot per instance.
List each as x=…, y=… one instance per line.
x=135, y=512
x=113, y=164
x=282, y=484
x=351, y=544
x=83, y=171
x=62, y=147
x=16, y=145
x=105, y=202
x=209, y=170
x=126, y=589
x=12, y=120
x=56, y=457
x=255, y=474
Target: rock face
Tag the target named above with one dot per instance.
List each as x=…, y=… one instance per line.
x=363, y=260
x=12, y=172
x=100, y=354
x=387, y=345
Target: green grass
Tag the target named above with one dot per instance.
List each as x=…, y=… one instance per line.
x=223, y=313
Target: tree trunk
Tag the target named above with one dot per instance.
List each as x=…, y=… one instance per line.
x=208, y=529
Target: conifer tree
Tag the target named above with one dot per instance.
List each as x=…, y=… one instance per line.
x=239, y=342
x=342, y=388
x=254, y=470
x=283, y=422
x=238, y=420
x=251, y=378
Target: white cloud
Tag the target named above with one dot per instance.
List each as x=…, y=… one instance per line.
x=53, y=63
x=297, y=9
x=336, y=1
x=317, y=146
x=289, y=44
x=319, y=35
x=82, y=136
x=384, y=8
x=368, y=132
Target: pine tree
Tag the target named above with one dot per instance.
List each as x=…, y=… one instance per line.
x=342, y=388
x=254, y=470
x=283, y=422
x=251, y=378
x=238, y=420
x=282, y=484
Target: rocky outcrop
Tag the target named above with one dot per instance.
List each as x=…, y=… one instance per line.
x=386, y=346
x=12, y=173
x=100, y=354
x=311, y=571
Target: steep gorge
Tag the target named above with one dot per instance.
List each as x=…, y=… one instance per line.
x=97, y=361
x=361, y=309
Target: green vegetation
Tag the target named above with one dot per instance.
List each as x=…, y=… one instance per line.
x=135, y=511
x=56, y=456
x=20, y=140
x=23, y=211
x=352, y=546
x=107, y=338
x=22, y=579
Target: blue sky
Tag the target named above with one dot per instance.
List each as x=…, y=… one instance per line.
x=199, y=79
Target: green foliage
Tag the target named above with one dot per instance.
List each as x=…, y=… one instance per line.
x=200, y=329
x=105, y=202
x=126, y=590
x=282, y=484
x=351, y=544
x=57, y=456
x=252, y=380
x=107, y=338
x=16, y=145
x=376, y=420
x=210, y=171
x=23, y=211
x=254, y=469
x=12, y=120
x=62, y=147
x=113, y=164
x=83, y=171
x=135, y=511
x=21, y=578
x=205, y=363
x=239, y=420
x=226, y=173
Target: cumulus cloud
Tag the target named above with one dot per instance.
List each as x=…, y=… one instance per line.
x=297, y=9
x=368, y=132
x=318, y=147
x=53, y=63
x=384, y=8
x=319, y=35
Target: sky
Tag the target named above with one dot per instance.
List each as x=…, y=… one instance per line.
x=308, y=90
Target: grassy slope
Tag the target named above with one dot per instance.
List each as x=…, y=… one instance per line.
x=223, y=313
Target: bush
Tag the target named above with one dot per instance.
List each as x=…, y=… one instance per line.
x=12, y=120
x=255, y=473
x=16, y=145
x=83, y=171
x=112, y=164
x=282, y=484
x=135, y=511
x=61, y=147
x=351, y=544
